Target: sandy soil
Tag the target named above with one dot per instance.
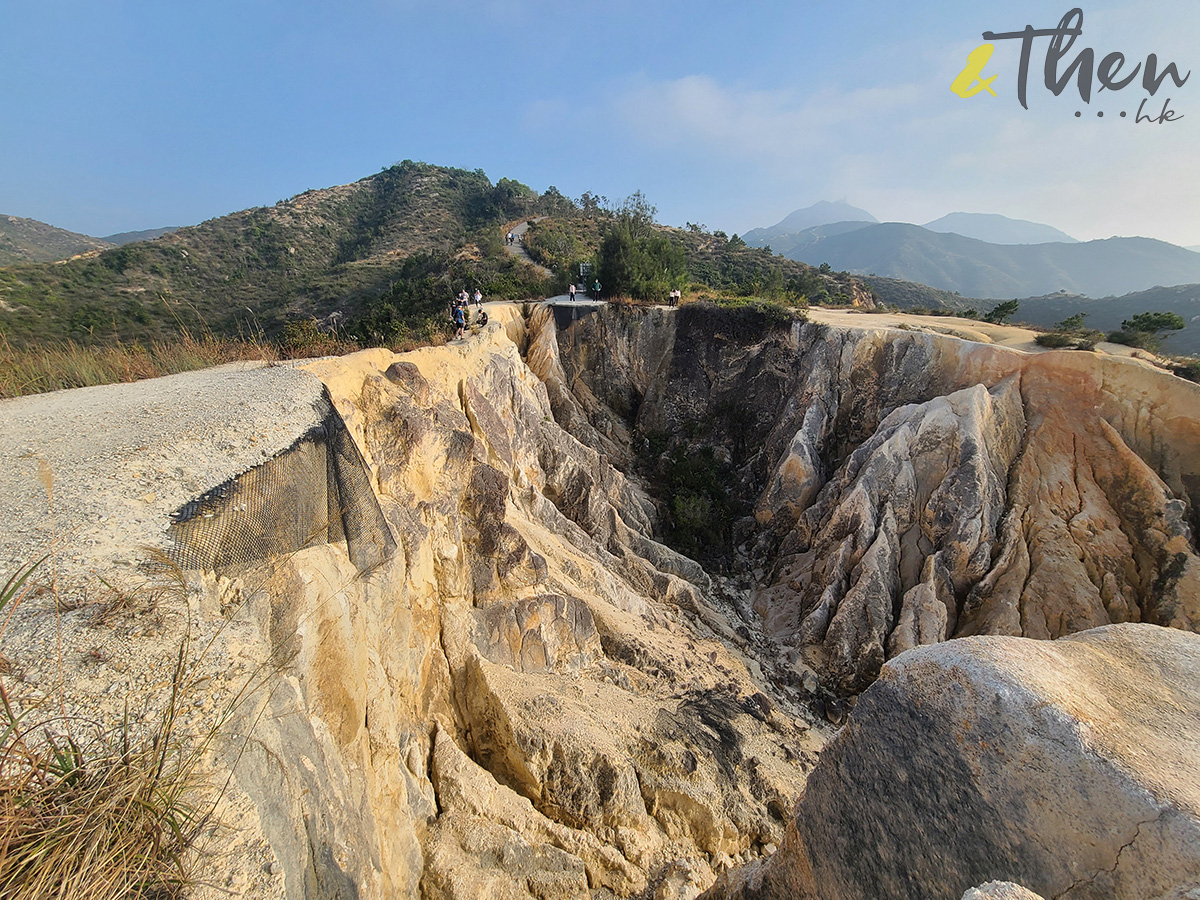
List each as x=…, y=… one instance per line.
x=1012, y=336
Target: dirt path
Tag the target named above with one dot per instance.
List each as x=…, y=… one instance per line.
x=517, y=247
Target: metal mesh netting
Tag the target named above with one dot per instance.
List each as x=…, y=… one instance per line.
x=316, y=492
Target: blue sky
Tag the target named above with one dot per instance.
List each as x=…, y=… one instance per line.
x=128, y=115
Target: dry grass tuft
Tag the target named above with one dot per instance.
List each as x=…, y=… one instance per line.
x=94, y=812
x=105, y=817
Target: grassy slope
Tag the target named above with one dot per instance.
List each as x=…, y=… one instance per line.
x=319, y=252
x=31, y=241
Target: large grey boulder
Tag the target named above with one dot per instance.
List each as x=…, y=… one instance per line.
x=1071, y=767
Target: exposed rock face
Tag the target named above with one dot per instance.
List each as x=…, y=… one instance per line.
x=907, y=487
x=492, y=680
x=526, y=697
x=1069, y=766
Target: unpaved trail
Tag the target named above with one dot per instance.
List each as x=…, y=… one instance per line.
x=517, y=247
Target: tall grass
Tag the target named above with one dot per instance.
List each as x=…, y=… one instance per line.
x=91, y=811
x=66, y=364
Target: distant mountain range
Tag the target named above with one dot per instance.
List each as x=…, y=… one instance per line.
x=798, y=228
x=1022, y=258
x=822, y=213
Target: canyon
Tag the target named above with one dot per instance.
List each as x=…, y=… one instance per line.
x=579, y=605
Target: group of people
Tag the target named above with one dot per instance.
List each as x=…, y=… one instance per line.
x=571, y=290
x=460, y=311
x=675, y=296
x=510, y=238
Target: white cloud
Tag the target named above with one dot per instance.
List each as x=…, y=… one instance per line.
x=915, y=151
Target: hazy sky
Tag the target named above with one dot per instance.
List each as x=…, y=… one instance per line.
x=128, y=114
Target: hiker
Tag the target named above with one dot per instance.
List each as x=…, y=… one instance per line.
x=571, y=291
x=596, y=288
x=478, y=299
x=460, y=321
x=508, y=238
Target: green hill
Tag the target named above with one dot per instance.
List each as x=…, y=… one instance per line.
x=380, y=258
x=319, y=254
x=31, y=241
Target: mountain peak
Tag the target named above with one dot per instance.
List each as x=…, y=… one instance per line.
x=997, y=229
x=823, y=212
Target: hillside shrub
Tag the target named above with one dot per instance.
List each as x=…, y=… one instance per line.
x=1146, y=329
x=1002, y=312
x=636, y=260
x=1054, y=339
x=1140, y=339
x=1189, y=369
x=304, y=338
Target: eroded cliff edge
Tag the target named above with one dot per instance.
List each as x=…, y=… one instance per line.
x=902, y=488
x=525, y=694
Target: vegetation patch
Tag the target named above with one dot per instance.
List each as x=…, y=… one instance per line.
x=698, y=511
x=1147, y=330
x=91, y=812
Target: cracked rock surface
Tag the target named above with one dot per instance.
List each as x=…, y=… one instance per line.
x=525, y=694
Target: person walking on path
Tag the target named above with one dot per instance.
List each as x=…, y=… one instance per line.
x=571, y=291
x=596, y=288
x=478, y=299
